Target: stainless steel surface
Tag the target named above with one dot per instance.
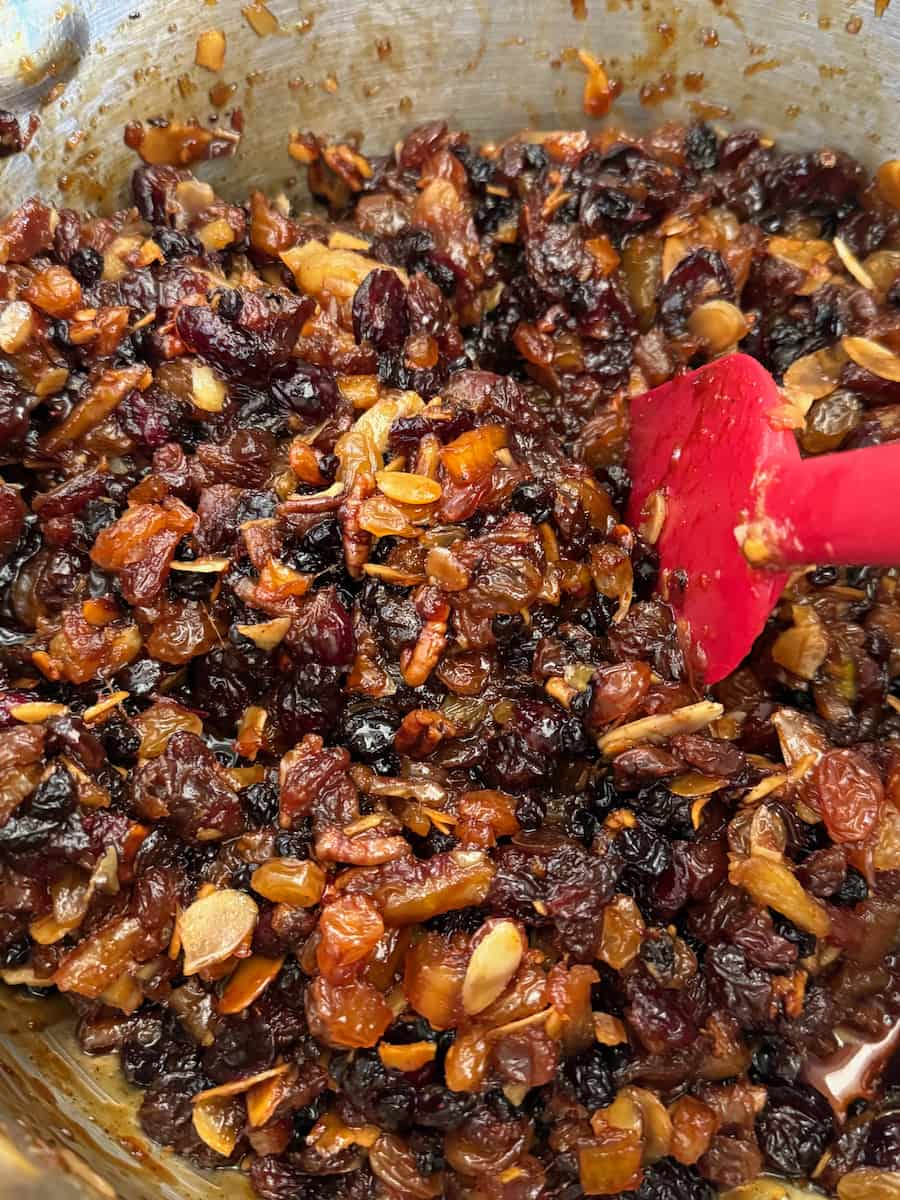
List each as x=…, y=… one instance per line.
x=491, y=65
x=809, y=71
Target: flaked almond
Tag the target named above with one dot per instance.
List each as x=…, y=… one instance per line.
x=653, y=517
x=322, y=272
x=268, y=634
x=103, y=707
x=409, y=1057
x=598, y=94
x=494, y=961
x=33, y=712
x=219, y=1122
x=265, y=1096
x=210, y=52
x=289, y=881
x=888, y=179
x=393, y=575
x=657, y=728
x=236, y=1087
x=203, y=566
x=852, y=264
x=405, y=488
x=801, y=649
x=874, y=357
x=773, y=885
x=655, y=1121
x=693, y=783
x=16, y=326
x=250, y=980
x=813, y=376
x=719, y=323
x=208, y=392
x=215, y=927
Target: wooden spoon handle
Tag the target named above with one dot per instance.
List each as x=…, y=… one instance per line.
x=842, y=509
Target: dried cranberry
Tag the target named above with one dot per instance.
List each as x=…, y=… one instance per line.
x=379, y=311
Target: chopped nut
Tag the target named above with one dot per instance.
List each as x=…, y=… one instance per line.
x=493, y=963
x=34, y=712
x=215, y=927
x=208, y=392
x=203, y=566
x=405, y=488
x=719, y=323
x=688, y=719
x=598, y=94
x=653, y=517
x=16, y=326
x=103, y=707
x=268, y=634
x=249, y=980
x=853, y=265
x=873, y=357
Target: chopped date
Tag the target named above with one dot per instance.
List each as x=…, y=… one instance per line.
x=315, y=600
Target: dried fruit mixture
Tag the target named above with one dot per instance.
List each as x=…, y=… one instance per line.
x=353, y=783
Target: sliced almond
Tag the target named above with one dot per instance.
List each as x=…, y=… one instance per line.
x=103, y=707
x=264, y=1097
x=203, y=566
x=406, y=488
x=33, y=712
x=322, y=272
x=219, y=1122
x=210, y=52
x=655, y=1120
x=852, y=264
x=693, y=783
x=268, y=634
x=215, y=927
x=410, y=1057
x=657, y=728
x=249, y=981
x=16, y=326
x=237, y=1087
x=814, y=375
x=208, y=392
x=874, y=357
x=719, y=323
x=653, y=517
x=494, y=961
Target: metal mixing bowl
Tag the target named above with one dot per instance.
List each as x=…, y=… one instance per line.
x=810, y=72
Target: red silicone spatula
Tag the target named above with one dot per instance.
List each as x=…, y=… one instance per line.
x=736, y=492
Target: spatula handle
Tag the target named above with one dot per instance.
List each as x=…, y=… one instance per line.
x=841, y=509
